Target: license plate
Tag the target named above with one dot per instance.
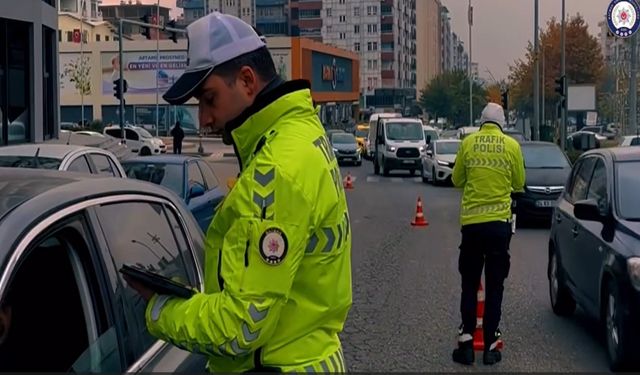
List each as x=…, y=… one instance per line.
x=408, y=161
x=545, y=203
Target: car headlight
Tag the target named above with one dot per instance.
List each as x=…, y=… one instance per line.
x=391, y=149
x=443, y=163
x=335, y=149
x=422, y=149
x=633, y=267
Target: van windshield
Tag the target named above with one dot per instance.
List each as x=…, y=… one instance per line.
x=404, y=131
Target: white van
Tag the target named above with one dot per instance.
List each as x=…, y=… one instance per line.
x=466, y=130
x=138, y=140
x=398, y=143
x=373, y=120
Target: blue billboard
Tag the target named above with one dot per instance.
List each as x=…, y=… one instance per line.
x=330, y=73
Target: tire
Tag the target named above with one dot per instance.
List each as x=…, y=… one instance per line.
x=562, y=302
x=145, y=151
x=618, y=329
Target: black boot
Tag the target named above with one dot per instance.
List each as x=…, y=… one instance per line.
x=464, y=353
x=492, y=354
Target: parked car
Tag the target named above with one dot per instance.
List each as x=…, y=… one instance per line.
x=515, y=134
x=594, y=248
x=630, y=140
x=191, y=178
x=439, y=160
x=600, y=130
x=65, y=236
x=346, y=148
x=89, y=133
x=62, y=157
x=138, y=140
x=547, y=169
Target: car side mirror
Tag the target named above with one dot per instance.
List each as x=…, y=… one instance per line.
x=196, y=190
x=587, y=210
x=430, y=153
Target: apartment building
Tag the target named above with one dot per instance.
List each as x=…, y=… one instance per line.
x=430, y=51
x=74, y=7
x=446, y=41
x=306, y=18
x=272, y=17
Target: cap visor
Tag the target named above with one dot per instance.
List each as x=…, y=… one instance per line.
x=185, y=86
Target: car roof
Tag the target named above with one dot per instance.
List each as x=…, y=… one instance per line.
x=47, y=150
x=537, y=143
x=28, y=195
x=164, y=159
x=618, y=154
x=447, y=140
x=401, y=119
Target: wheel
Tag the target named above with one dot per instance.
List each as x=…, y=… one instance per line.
x=376, y=166
x=434, y=179
x=562, y=302
x=145, y=151
x=618, y=329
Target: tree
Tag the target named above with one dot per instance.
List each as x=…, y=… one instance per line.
x=494, y=94
x=447, y=95
x=79, y=73
x=584, y=64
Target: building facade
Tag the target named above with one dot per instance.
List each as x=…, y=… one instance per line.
x=272, y=17
x=428, y=42
x=446, y=41
x=28, y=71
x=135, y=11
x=70, y=26
x=90, y=90
x=191, y=10
x=243, y=9
x=91, y=8
x=306, y=19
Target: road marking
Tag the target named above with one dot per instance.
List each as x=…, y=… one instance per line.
x=373, y=179
x=397, y=179
x=417, y=179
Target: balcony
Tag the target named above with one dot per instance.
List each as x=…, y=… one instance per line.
x=387, y=56
x=386, y=37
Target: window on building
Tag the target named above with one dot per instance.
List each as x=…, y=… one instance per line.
x=356, y=46
x=375, y=64
x=369, y=64
x=69, y=36
x=106, y=38
x=343, y=35
x=356, y=11
x=341, y=1
x=386, y=28
x=328, y=12
x=343, y=18
x=356, y=29
x=309, y=13
x=375, y=28
x=375, y=46
x=372, y=10
x=97, y=37
x=369, y=46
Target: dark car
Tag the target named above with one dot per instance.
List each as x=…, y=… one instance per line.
x=594, y=248
x=191, y=178
x=65, y=236
x=547, y=169
x=345, y=147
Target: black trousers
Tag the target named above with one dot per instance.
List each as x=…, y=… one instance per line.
x=177, y=147
x=484, y=245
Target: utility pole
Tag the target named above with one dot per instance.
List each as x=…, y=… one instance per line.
x=471, y=123
x=121, y=78
x=633, y=89
x=83, y=78
x=536, y=79
x=563, y=103
x=544, y=86
x=157, y=67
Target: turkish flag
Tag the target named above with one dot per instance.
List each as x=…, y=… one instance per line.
x=77, y=38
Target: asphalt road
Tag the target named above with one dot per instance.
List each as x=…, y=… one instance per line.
x=406, y=287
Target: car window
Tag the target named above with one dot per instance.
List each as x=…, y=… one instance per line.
x=580, y=182
x=57, y=274
x=447, y=148
x=79, y=165
x=131, y=135
x=102, y=165
x=635, y=141
x=544, y=157
x=598, y=184
x=116, y=170
x=209, y=176
x=194, y=175
x=168, y=175
x=139, y=233
x=29, y=162
x=114, y=133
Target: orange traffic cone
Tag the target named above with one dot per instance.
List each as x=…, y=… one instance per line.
x=478, y=335
x=348, y=184
x=419, y=220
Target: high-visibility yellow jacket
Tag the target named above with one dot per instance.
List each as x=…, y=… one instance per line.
x=489, y=167
x=278, y=251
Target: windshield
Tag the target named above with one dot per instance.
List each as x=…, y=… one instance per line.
x=343, y=139
x=167, y=175
x=628, y=185
x=544, y=157
x=432, y=133
x=404, y=131
x=29, y=162
x=447, y=148
x=362, y=133
x=144, y=133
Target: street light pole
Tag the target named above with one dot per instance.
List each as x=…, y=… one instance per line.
x=536, y=79
x=544, y=86
x=563, y=121
x=157, y=67
x=469, y=67
x=82, y=73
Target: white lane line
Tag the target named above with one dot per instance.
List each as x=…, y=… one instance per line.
x=373, y=179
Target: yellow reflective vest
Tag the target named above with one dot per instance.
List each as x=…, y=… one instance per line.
x=489, y=167
x=278, y=251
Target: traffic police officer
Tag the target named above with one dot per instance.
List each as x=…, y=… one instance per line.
x=277, y=258
x=489, y=167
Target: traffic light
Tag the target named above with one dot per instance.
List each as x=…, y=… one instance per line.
x=146, y=32
x=116, y=88
x=560, y=84
x=505, y=100
x=173, y=35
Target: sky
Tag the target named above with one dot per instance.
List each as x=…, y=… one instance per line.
x=501, y=28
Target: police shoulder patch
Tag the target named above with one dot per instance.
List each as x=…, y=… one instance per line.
x=273, y=246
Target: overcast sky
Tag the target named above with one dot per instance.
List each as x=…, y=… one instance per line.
x=501, y=28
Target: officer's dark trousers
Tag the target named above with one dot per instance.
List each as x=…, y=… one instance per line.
x=484, y=244
x=177, y=147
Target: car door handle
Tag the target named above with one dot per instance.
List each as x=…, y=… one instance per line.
x=574, y=230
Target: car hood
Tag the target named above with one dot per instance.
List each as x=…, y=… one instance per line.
x=547, y=177
x=447, y=158
x=345, y=146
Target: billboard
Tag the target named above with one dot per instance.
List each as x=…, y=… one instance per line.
x=330, y=73
x=282, y=60
x=140, y=71
x=75, y=74
x=581, y=97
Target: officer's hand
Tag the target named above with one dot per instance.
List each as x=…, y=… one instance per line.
x=142, y=290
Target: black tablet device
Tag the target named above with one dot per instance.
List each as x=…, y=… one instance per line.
x=157, y=283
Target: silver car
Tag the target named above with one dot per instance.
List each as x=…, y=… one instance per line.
x=72, y=158
x=438, y=162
